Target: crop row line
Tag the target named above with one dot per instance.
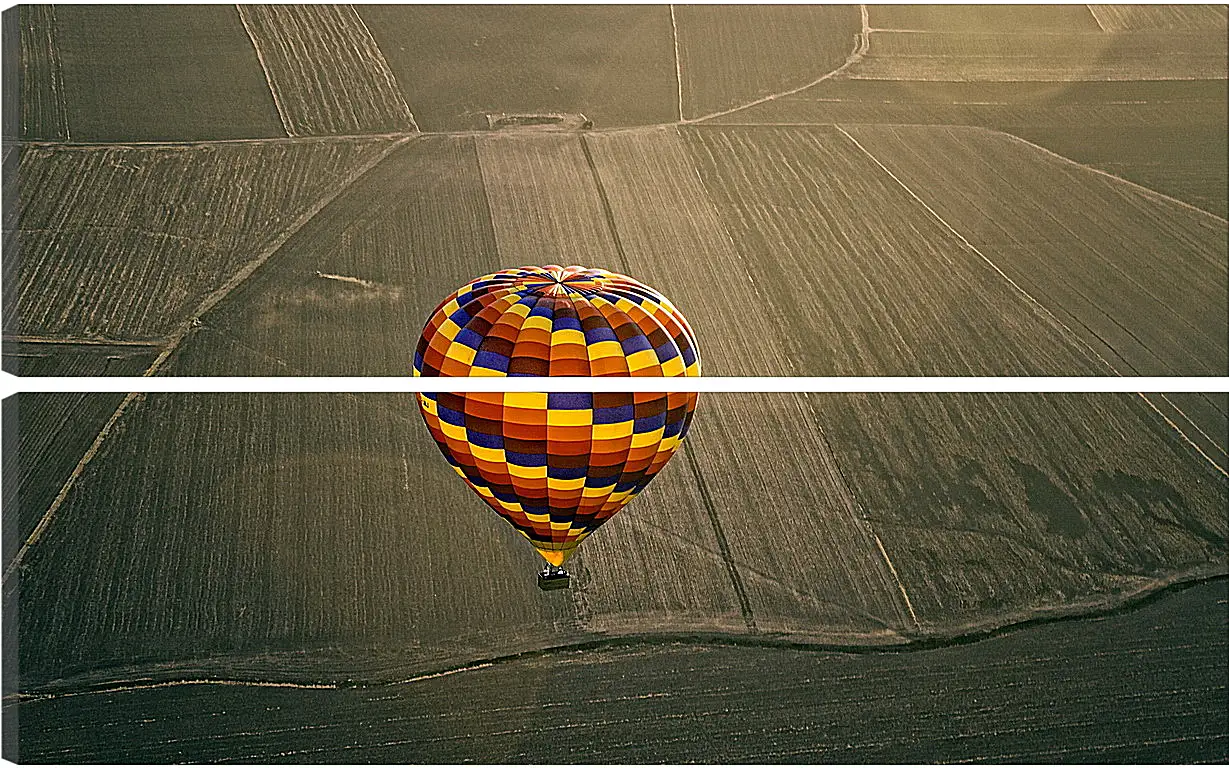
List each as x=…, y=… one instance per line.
x=1041, y=307
x=170, y=344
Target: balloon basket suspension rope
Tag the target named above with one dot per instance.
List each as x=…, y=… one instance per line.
x=553, y=577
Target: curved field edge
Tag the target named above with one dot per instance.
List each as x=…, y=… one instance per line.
x=719, y=704
x=723, y=58
x=251, y=670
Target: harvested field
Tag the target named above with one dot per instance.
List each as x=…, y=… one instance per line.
x=1203, y=417
x=798, y=222
x=733, y=55
x=1166, y=135
x=864, y=280
x=250, y=553
x=27, y=357
x=1143, y=686
x=251, y=559
x=1044, y=44
x=778, y=509
x=411, y=229
x=545, y=204
x=1003, y=505
x=45, y=436
x=161, y=73
x=998, y=56
x=1134, y=119
x=124, y=242
x=325, y=70
x=1098, y=267
x=1131, y=18
x=983, y=18
x=672, y=236
x=454, y=64
x=39, y=96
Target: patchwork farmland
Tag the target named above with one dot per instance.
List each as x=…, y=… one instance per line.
x=823, y=191
x=247, y=560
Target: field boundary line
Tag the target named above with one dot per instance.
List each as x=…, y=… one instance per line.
x=70, y=341
x=744, y=602
x=1095, y=17
x=1178, y=429
x=142, y=686
x=220, y=293
x=860, y=49
x=1075, y=338
x=45, y=522
x=1118, y=602
x=810, y=414
x=1145, y=190
x=264, y=68
x=900, y=584
x=678, y=65
x=605, y=200
x=1222, y=451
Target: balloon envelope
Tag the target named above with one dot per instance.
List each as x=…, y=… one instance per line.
x=556, y=321
x=556, y=466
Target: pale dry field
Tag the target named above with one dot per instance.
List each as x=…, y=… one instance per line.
x=123, y=242
x=325, y=71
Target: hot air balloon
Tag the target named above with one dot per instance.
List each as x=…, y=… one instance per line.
x=556, y=466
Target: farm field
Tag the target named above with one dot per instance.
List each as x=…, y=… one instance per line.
x=1055, y=495
x=34, y=99
x=166, y=73
x=1042, y=43
x=45, y=435
x=1042, y=57
x=336, y=293
x=847, y=253
x=1166, y=134
x=980, y=18
x=729, y=56
x=1100, y=278
x=325, y=71
x=347, y=293
x=1145, y=685
x=110, y=243
x=246, y=559
x=249, y=554
x=1131, y=18
x=59, y=358
x=321, y=538
x=809, y=224
x=454, y=64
